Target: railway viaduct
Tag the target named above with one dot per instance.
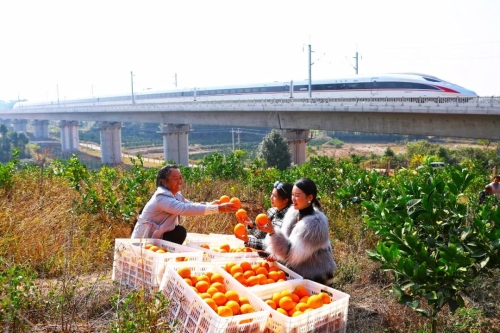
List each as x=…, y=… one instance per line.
x=469, y=118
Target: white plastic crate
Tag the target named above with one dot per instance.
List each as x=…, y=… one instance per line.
x=136, y=267
x=330, y=318
x=201, y=238
x=193, y=314
x=211, y=254
x=290, y=275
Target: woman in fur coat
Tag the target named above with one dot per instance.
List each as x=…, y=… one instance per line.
x=303, y=242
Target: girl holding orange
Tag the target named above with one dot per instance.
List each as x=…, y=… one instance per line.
x=281, y=199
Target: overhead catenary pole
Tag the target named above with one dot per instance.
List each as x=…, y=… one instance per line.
x=132, y=84
x=356, y=68
x=232, y=134
x=57, y=86
x=310, y=65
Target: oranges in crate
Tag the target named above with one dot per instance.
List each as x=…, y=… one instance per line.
x=256, y=274
x=211, y=288
x=226, y=248
x=296, y=302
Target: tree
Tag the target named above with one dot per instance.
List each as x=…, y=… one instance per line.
x=274, y=150
x=433, y=238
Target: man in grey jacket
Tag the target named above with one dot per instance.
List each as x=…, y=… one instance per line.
x=160, y=216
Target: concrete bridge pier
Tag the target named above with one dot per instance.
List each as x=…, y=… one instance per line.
x=111, y=142
x=69, y=135
x=297, y=139
x=175, y=143
x=20, y=125
x=41, y=129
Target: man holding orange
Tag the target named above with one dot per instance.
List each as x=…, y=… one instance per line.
x=160, y=216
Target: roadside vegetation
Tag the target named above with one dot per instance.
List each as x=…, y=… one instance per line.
x=415, y=251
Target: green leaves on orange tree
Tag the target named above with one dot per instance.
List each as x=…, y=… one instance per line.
x=432, y=237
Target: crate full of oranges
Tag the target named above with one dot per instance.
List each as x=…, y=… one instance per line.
x=304, y=306
x=205, y=299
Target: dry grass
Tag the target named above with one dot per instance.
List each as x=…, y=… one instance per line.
x=73, y=254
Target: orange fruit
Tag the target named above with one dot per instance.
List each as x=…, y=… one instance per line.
x=253, y=281
x=286, y=303
x=234, y=306
x=280, y=310
x=301, y=291
x=225, y=247
x=188, y=281
x=248, y=274
x=245, y=265
x=295, y=298
x=236, y=202
x=304, y=299
x=297, y=313
x=204, y=277
x=325, y=297
x=217, y=278
x=301, y=307
x=276, y=297
x=219, y=286
x=184, y=272
x=205, y=295
x=154, y=248
x=246, y=308
x=262, y=219
x=194, y=280
x=241, y=214
x=224, y=199
x=232, y=295
x=271, y=303
x=269, y=281
x=240, y=278
x=148, y=246
x=236, y=269
x=244, y=300
x=282, y=275
x=274, y=276
x=161, y=251
x=224, y=311
x=262, y=279
x=202, y=286
x=315, y=301
x=212, y=290
x=211, y=303
x=240, y=230
x=219, y=298
x=205, y=246
x=261, y=270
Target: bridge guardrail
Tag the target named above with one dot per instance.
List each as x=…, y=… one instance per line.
x=493, y=101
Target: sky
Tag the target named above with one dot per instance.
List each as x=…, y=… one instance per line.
x=69, y=49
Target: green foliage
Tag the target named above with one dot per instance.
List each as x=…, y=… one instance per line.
x=141, y=311
x=433, y=237
x=7, y=171
x=274, y=150
x=10, y=141
x=336, y=143
x=17, y=294
x=215, y=166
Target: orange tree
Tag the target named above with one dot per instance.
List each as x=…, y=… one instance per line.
x=433, y=238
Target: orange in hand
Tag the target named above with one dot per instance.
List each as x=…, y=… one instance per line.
x=236, y=202
x=241, y=215
x=224, y=199
x=262, y=219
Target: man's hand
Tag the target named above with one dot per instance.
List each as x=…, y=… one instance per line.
x=228, y=207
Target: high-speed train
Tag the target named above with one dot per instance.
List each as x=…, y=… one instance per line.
x=359, y=86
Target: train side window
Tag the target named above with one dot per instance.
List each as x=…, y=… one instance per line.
x=240, y=90
x=248, y=90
